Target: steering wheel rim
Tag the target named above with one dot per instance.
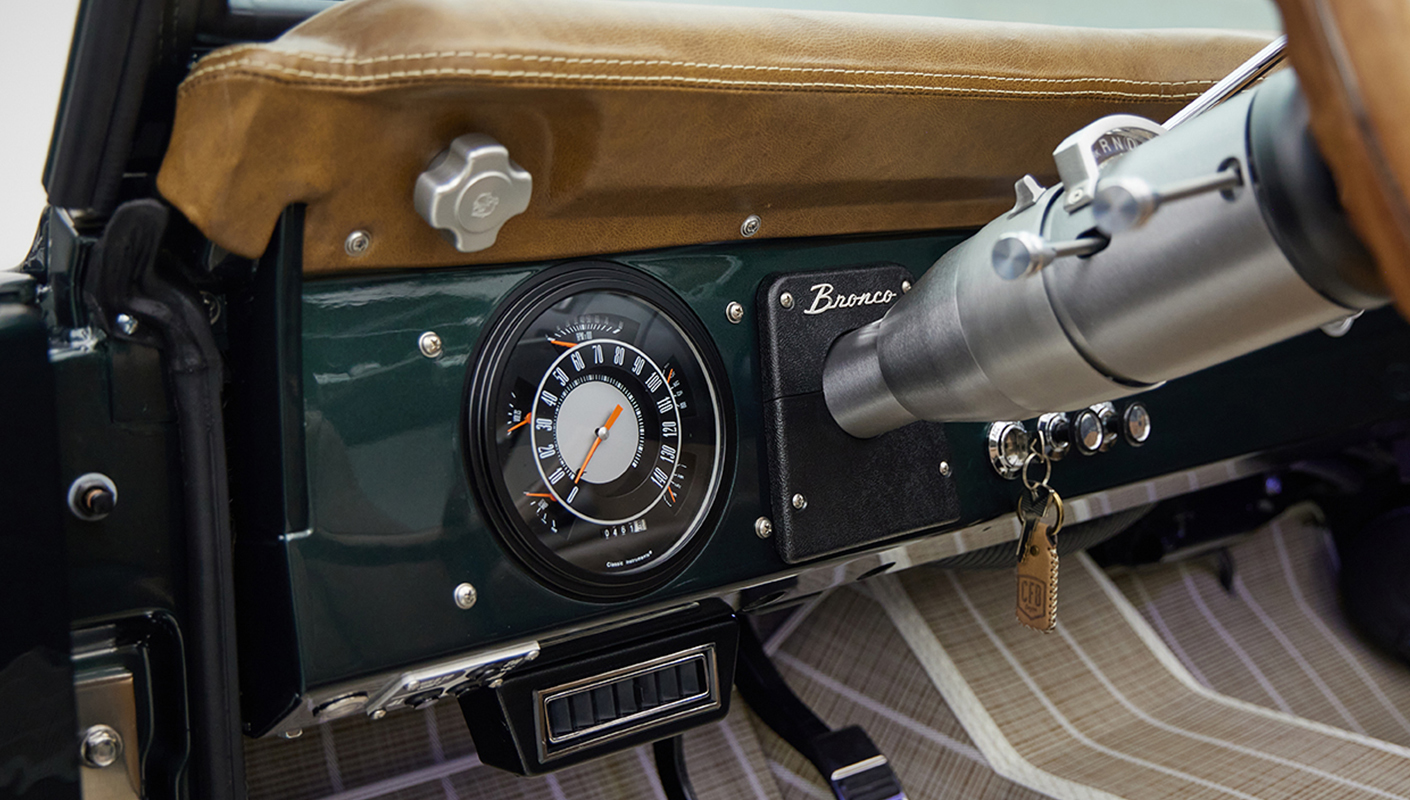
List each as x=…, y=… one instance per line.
x=1355, y=72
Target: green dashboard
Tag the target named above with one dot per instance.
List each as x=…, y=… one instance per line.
x=388, y=516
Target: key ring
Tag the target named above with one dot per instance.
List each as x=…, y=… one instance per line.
x=1038, y=451
x=1057, y=501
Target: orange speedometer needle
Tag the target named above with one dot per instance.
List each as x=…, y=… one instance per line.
x=522, y=423
x=561, y=344
x=611, y=420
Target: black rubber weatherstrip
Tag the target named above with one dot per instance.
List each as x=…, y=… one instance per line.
x=113, y=52
x=124, y=277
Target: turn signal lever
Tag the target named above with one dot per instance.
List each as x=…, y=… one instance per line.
x=1161, y=253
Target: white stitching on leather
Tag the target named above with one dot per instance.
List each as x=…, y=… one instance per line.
x=684, y=64
x=499, y=73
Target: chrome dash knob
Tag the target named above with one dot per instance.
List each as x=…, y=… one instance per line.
x=1008, y=448
x=1087, y=433
x=1056, y=430
x=1111, y=425
x=1136, y=424
x=470, y=190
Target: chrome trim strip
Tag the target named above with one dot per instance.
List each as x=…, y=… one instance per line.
x=843, y=773
x=399, y=687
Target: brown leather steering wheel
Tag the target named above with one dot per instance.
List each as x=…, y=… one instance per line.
x=1352, y=61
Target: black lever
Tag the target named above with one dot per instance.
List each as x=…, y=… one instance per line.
x=670, y=765
x=847, y=758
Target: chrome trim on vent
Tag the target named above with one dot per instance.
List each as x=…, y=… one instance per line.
x=623, y=726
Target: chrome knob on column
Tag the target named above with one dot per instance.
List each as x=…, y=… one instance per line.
x=1023, y=252
x=1127, y=203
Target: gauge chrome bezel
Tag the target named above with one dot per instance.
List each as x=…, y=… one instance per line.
x=506, y=327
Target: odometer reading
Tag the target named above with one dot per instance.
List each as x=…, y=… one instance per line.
x=600, y=431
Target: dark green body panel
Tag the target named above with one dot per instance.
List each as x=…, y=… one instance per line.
x=394, y=526
x=37, y=709
x=123, y=577
x=114, y=419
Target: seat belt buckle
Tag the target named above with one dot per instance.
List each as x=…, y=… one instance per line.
x=854, y=767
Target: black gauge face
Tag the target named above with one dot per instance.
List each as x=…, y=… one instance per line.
x=597, y=430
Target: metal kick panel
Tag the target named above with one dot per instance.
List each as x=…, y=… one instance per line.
x=107, y=719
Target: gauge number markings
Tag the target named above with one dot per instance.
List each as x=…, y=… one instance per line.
x=655, y=383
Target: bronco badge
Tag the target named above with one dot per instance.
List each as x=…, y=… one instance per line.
x=825, y=300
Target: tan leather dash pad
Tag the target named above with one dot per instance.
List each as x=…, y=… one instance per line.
x=648, y=125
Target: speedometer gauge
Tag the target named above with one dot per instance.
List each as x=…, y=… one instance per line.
x=597, y=430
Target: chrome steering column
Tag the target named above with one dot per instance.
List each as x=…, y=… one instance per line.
x=1160, y=254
